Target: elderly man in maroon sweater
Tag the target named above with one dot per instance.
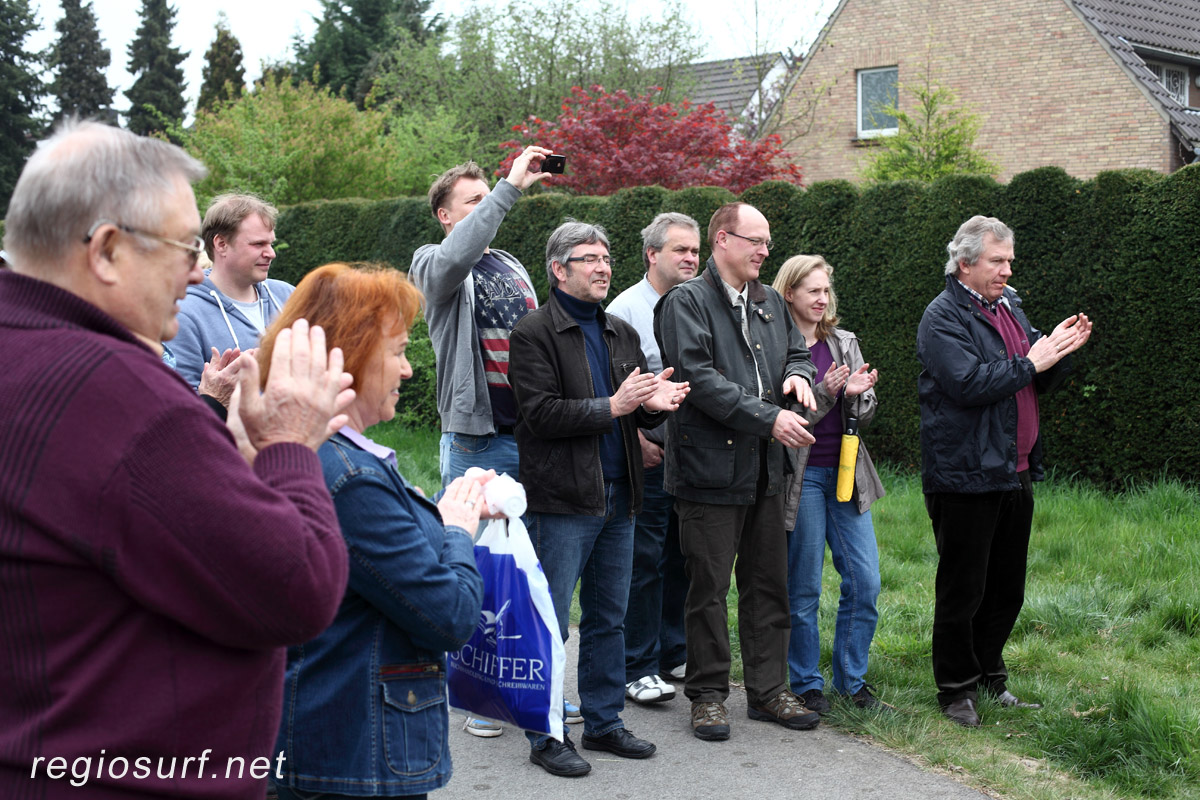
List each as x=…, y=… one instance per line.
x=150, y=573
x=983, y=366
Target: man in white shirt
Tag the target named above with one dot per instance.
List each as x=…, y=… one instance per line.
x=655, y=647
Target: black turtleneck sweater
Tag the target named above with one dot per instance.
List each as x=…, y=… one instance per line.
x=612, y=446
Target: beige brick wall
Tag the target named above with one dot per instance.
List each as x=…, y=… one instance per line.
x=1046, y=92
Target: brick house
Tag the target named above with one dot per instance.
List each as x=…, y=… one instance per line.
x=1087, y=85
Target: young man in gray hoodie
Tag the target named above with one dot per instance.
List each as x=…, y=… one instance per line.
x=474, y=295
x=236, y=301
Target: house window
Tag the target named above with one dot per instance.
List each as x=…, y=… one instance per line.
x=1173, y=79
x=877, y=89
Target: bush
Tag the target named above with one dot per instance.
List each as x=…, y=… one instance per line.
x=1123, y=247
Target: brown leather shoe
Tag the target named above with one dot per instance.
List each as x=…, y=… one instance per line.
x=963, y=712
x=787, y=709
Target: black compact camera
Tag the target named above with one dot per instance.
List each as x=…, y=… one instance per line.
x=554, y=164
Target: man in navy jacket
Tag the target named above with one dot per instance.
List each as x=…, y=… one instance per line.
x=983, y=366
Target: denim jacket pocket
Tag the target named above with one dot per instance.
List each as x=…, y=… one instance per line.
x=414, y=717
x=706, y=456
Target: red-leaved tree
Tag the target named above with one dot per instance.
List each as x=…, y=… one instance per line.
x=613, y=141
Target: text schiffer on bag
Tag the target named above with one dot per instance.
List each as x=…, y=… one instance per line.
x=511, y=670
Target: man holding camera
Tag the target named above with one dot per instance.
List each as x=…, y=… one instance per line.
x=474, y=296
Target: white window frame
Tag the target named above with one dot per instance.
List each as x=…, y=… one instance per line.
x=1161, y=70
x=871, y=133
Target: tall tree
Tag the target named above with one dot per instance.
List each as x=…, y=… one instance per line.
x=20, y=88
x=498, y=67
x=79, y=60
x=224, y=76
x=350, y=33
x=157, y=92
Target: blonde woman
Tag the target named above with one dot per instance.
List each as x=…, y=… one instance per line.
x=814, y=514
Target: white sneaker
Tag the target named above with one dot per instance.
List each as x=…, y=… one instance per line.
x=482, y=728
x=649, y=689
x=678, y=673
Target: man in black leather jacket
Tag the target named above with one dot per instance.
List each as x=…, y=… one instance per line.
x=733, y=340
x=983, y=366
x=583, y=389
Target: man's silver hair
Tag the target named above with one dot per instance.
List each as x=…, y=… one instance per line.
x=83, y=172
x=967, y=244
x=567, y=237
x=654, y=235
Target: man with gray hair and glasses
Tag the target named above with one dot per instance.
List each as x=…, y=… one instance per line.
x=583, y=388
x=143, y=611
x=982, y=368
x=655, y=646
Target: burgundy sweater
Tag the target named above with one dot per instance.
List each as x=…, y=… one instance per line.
x=149, y=578
x=1017, y=345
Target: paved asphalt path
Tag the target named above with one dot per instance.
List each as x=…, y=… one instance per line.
x=761, y=761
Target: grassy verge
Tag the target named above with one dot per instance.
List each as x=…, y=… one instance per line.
x=1109, y=642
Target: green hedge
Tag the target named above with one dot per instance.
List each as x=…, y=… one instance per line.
x=1123, y=247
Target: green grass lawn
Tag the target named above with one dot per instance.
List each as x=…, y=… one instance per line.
x=1108, y=641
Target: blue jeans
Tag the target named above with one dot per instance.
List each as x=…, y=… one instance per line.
x=851, y=537
x=598, y=552
x=654, y=636
x=285, y=793
x=460, y=451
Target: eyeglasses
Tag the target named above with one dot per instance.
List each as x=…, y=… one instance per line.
x=591, y=259
x=752, y=240
x=194, y=249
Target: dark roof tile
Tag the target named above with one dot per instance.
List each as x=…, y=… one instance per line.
x=1172, y=25
x=729, y=84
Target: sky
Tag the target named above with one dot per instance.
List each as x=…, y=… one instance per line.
x=266, y=28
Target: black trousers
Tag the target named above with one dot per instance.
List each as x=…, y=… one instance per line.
x=982, y=544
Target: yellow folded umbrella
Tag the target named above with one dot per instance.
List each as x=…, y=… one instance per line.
x=847, y=461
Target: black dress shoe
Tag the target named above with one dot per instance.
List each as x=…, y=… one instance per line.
x=963, y=712
x=621, y=742
x=1010, y=700
x=560, y=758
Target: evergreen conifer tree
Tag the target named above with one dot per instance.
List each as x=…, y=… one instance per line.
x=351, y=32
x=79, y=60
x=222, y=65
x=159, y=82
x=20, y=88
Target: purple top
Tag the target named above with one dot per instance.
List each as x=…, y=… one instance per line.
x=828, y=432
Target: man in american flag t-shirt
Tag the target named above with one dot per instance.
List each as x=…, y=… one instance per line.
x=502, y=298
x=474, y=295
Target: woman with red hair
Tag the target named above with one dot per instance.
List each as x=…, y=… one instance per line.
x=365, y=702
